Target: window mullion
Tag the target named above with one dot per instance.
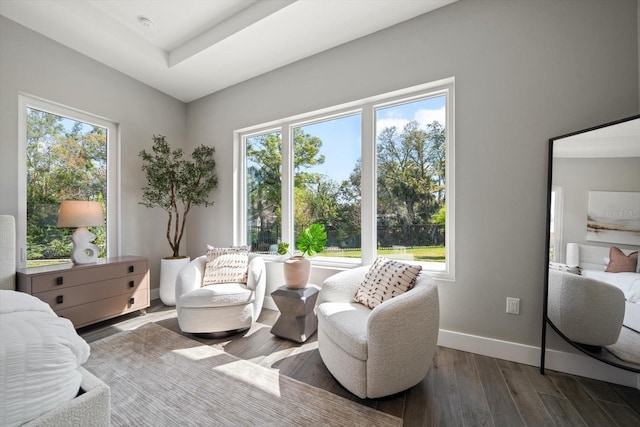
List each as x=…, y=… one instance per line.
x=113, y=195
x=240, y=198
x=288, y=234
x=368, y=186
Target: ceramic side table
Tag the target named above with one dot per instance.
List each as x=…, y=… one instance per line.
x=297, y=321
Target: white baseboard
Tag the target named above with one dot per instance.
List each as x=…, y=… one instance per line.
x=570, y=363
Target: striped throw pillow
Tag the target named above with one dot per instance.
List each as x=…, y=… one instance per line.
x=226, y=265
x=386, y=279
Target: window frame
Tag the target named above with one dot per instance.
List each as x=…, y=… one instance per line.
x=556, y=217
x=367, y=108
x=113, y=169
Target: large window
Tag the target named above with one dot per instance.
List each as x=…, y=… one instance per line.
x=377, y=173
x=66, y=157
x=411, y=180
x=263, y=154
x=326, y=181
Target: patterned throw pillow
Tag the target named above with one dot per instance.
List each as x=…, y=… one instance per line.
x=386, y=279
x=226, y=265
x=564, y=267
x=619, y=262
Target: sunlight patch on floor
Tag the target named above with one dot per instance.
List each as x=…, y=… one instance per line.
x=197, y=353
x=249, y=373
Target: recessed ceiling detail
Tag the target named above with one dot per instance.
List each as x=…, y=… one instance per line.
x=191, y=48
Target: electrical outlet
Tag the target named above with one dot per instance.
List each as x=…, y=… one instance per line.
x=513, y=305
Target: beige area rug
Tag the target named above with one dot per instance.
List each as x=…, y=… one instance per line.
x=160, y=378
x=628, y=346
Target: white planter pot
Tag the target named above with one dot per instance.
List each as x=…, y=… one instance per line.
x=169, y=269
x=296, y=272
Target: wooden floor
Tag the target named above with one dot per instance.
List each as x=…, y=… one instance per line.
x=461, y=389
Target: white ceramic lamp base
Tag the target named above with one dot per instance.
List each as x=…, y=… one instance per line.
x=84, y=252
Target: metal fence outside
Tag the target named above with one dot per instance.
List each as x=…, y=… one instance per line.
x=263, y=239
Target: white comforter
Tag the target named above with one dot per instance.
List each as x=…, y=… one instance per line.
x=629, y=283
x=39, y=358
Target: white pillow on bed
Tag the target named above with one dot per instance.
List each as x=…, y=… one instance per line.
x=39, y=358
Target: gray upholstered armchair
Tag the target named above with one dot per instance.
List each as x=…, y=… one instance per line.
x=221, y=308
x=585, y=310
x=379, y=352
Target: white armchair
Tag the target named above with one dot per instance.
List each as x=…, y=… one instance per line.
x=379, y=352
x=221, y=308
x=585, y=310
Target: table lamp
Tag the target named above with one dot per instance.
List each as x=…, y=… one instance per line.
x=82, y=214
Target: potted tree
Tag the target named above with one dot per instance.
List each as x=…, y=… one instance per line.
x=297, y=268
x=176, y=184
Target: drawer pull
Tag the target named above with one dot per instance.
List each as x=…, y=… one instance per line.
x=59, y=280
x=131, y=284
x=131, y=269
x=60, y=299
x=132, y=301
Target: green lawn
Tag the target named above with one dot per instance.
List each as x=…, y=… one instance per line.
x=46, y=262
x=419, y=253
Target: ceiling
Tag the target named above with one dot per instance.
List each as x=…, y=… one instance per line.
x=191, y=48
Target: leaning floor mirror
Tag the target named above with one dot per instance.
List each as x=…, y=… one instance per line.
x=592, y=285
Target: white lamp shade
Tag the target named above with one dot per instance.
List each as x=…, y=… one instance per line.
x=573, y=254
x=80, y=213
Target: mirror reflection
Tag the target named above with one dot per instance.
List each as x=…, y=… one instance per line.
x=594, y=274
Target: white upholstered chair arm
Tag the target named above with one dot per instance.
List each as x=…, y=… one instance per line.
x=257, y=281
x=341, y=287
x=256, y=273
x=420, y=317
x=190, y=277
x=587, y=311
x=403, y=332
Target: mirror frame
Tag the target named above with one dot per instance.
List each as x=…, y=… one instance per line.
x=606, y=358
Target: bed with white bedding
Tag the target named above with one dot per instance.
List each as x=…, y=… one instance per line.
x=40, y=354
x=41, y=380
x=593, y=262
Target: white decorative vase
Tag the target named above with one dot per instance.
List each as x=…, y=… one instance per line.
x=169, y=269
x=296, y=272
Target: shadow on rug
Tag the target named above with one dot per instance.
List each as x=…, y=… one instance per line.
x=158, y=377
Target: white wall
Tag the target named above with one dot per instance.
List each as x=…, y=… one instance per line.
x=35, y=65
x=525, y=72
x=577, y=177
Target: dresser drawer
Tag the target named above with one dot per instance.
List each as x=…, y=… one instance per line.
x=85, y=314
x=66, y=278
x=74, y=295
x=90, y=293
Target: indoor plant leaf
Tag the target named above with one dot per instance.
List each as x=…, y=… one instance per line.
x=312, y=240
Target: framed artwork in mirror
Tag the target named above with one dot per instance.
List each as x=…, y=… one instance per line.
x=614, y=217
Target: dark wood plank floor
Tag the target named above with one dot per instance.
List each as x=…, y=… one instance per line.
x=461, y=389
